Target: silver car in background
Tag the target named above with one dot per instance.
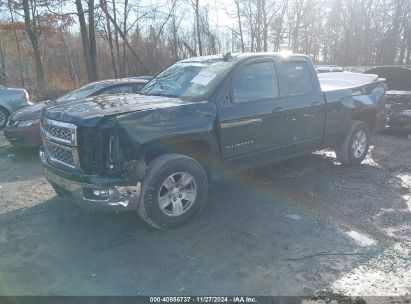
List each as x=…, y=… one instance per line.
x=11, y=99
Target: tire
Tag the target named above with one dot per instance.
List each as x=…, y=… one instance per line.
x=4, y=116
x=353, y=150
x=164, y=206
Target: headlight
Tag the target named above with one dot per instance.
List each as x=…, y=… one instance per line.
x=27, y=123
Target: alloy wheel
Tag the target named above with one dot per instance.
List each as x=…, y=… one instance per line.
x=359, y=144
x=177, y=194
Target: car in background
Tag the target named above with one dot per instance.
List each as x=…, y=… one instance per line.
x=399, y=110
x=145, y=77
x=398, y=98
x=23, y=127
x=11, y=99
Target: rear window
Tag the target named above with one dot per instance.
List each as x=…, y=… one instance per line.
x=298, y=78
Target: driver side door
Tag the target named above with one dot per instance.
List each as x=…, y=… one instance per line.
x=246, y=116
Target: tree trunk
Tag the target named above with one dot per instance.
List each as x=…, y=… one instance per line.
x=200, y=48
x=30, y=29
x=265, y=27
x=72, y=70
x=124, y=65
x=116, y=39
x=110, y=43
x=17, y=46
x=92, y=40
x=85, y=40
x=175, y=39
x=239, y=26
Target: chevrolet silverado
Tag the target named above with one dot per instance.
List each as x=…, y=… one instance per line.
x=157, y=151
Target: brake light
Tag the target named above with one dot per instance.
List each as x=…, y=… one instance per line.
x=26, y=96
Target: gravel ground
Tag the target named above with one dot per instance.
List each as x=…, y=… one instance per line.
x=304, y=227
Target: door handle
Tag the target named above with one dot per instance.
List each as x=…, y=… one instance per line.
x=316, y=103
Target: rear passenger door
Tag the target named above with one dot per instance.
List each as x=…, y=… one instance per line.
x=303, y=105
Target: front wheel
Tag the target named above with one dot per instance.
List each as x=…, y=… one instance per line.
x=354, y=148
x=173, y=191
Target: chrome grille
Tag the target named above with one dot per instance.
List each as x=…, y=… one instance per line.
x=57, y=132
x=60, y=142
x=60, y=154
x=60, y=132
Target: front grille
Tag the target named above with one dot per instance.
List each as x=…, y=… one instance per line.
x=60, y=133
x=60, y=142
x=61, y=154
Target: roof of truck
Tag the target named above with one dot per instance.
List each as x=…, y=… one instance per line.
x=239, y=56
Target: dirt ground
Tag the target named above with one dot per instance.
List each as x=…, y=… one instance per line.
x=302, y=227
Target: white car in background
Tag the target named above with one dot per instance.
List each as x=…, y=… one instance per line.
x=11, y=99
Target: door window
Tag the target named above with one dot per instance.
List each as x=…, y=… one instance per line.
x=298, y=78
x=255, y=82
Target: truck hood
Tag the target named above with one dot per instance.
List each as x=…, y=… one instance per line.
x=91, y=110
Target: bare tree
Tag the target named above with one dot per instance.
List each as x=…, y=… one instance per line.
x=29, y=9
x=88, y=38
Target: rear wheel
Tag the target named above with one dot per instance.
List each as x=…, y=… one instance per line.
x=4, y=115
x=354, y=148
x=173, y=191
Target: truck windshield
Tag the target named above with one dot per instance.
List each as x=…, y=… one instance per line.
x=187, y=80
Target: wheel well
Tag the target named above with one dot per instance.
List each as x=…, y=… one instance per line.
x=196, y=149
x=366, y=116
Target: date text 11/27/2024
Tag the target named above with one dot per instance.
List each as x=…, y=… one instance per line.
x=204, y=299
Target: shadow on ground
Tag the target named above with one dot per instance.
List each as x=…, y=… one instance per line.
x=288, y=229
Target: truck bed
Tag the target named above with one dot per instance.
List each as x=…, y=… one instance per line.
x=345, y=80
x=362, y=92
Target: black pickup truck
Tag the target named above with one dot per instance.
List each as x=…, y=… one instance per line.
x=157, y=151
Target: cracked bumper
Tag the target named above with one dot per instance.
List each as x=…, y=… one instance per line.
x=80, y=189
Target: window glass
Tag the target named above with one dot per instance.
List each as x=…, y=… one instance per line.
x=255, y=82
x=119, y=89
x=137, y=87
x=188, y=80
x=298, y=78
x=82, y=92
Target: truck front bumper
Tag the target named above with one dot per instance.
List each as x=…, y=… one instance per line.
x=91, y=192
